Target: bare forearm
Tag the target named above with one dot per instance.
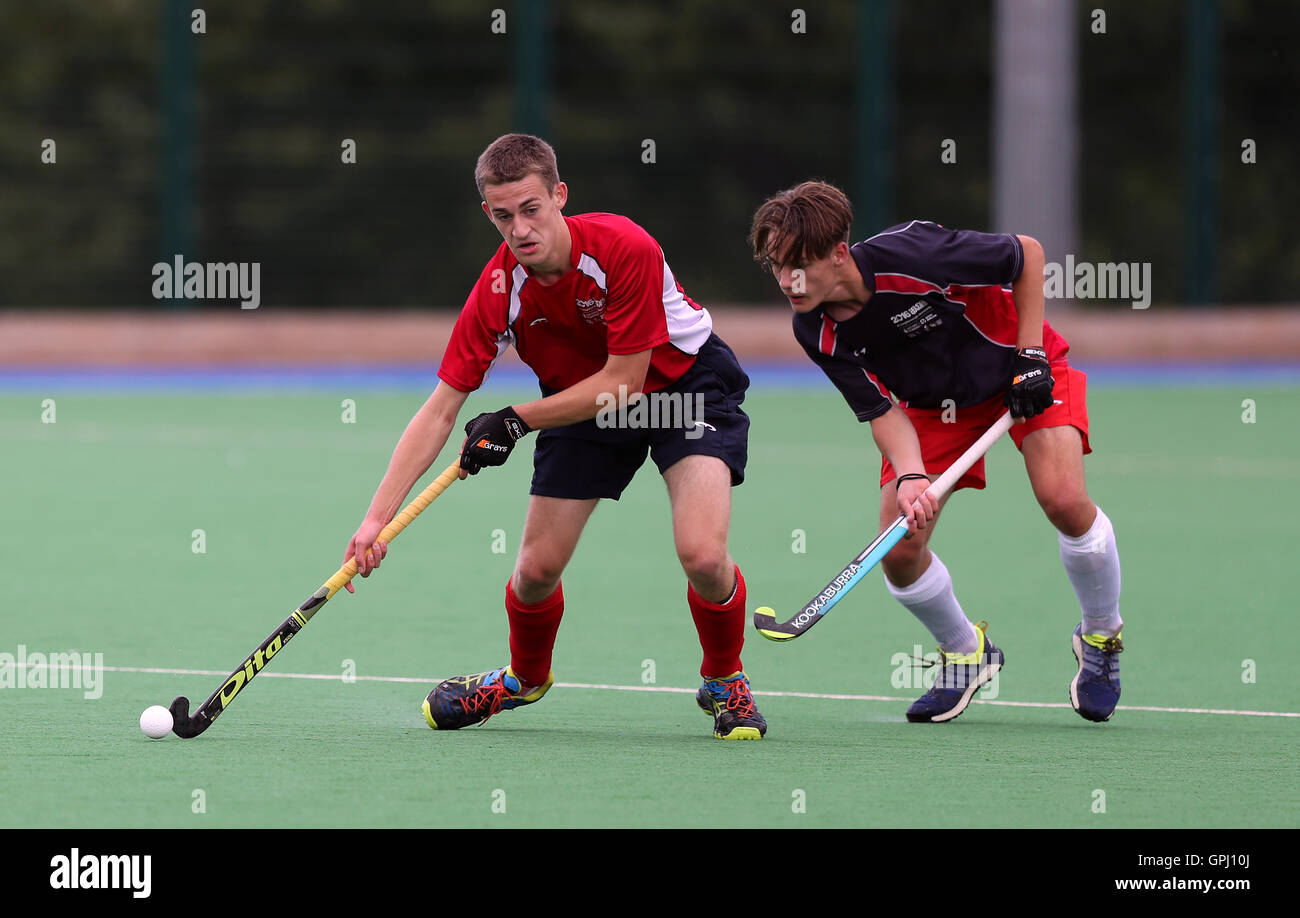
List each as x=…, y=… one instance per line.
x=1027, y=292
x=621, y=377
x=896, y=439
x=418, y=446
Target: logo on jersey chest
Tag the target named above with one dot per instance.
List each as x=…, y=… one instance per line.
x=917, y=319
x=592, y=310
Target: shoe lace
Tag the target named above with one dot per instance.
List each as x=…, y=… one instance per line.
x=740, y=700
x=927, y=662
x=1101, y=661
x=942, y=660
x=924, y=663
x=488, y=698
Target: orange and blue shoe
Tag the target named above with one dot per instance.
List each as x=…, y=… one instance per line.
x=1094, y=691
x=468, y=700
x=729, y=700
x=961, y=675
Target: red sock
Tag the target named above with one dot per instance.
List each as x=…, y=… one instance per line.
x=532, y=634
x=721, y=628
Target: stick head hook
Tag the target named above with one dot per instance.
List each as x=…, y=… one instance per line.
x=183, y=725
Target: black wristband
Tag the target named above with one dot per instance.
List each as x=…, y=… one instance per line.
x=516, y=426
x=1034, y=353
x=909, y=477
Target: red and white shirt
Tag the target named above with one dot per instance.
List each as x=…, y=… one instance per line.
x=620, y=298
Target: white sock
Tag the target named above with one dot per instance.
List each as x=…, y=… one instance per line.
x=1092, y=562
x=932, y=600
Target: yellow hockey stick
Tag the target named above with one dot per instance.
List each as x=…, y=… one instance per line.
x=186, y=726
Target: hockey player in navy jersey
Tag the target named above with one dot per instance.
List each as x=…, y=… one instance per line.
x=929, y=334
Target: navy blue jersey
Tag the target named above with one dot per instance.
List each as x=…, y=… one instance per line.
x=941, y=323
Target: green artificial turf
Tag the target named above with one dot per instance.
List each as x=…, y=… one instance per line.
x=101, y=508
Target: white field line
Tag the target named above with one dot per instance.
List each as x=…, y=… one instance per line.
x=333, y=677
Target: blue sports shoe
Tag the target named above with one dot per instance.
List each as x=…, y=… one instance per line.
x=731, y=703
x=1094, y=692
x=468, y=700
x=962, y=674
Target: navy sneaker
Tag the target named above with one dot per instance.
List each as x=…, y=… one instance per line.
x=1094, y=691
x=961, y=676
x=731, y=703
x=468, y=700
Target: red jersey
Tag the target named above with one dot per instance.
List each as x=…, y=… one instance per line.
x=620, y=298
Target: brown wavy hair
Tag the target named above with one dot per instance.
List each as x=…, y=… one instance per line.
x=800, y=224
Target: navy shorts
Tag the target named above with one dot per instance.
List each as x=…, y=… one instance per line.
x=698, y=415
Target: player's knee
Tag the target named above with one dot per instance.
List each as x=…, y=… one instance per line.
x=1070, y=510
x=903, y=563
x=535, y=575
x=705, y=562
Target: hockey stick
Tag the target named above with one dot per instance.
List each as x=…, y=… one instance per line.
x=186, y=725
x=812, y=612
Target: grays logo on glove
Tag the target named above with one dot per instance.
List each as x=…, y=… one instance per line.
x=489, y=439
x=1031, y=387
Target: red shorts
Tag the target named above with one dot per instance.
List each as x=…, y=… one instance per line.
x=942, y=443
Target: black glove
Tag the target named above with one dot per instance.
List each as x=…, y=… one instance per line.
x=489, y=439
x=1031, y=383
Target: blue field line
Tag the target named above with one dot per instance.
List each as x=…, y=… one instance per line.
x=262, y=380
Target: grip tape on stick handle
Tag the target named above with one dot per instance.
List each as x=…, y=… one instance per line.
x=404, y=517
x=416, y=507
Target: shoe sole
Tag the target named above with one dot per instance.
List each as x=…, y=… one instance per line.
x=1076, y=642
x=985, y=676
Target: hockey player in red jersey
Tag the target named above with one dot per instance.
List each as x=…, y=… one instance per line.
x=592, y=307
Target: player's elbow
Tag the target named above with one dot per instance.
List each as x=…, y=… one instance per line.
x=635, y=382
x=629, y=372
x=443, y=406
x=1033, y=249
